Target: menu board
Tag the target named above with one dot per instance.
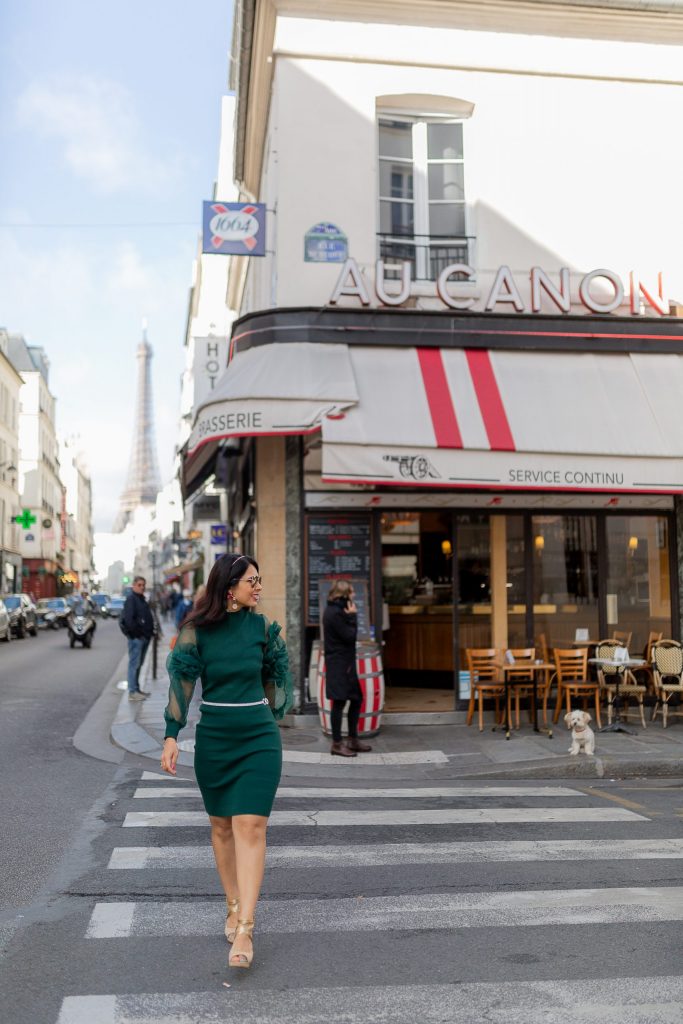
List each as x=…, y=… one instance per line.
x=338, y=547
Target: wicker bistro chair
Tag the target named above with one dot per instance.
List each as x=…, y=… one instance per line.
x=667, y=669
x=520, y=679
x=483, y=664
x=629, y=687
x=571, y=670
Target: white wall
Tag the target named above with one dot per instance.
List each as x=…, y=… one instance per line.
x=562, y=168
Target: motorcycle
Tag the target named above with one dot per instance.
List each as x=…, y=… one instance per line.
x=81, y=625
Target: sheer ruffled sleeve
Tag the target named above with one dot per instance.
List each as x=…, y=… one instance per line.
x=277, y=679
x=184, y=668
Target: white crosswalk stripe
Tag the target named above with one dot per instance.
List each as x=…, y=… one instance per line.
x=424, y=793
x=464, y=816
x=652, y=1000
x=389, y=854
x=382, y=913
x=624, y=1000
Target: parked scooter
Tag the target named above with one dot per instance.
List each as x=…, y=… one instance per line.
x=81, y=624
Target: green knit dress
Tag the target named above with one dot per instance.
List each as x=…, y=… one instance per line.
x=238, y=752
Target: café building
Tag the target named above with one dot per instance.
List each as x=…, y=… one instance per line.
x=485, y=436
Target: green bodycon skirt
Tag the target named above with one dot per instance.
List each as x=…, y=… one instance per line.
x=238, y=759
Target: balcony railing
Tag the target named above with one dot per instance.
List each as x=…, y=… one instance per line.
x=427, y=255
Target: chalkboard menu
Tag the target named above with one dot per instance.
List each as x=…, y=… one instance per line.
x=338, y=547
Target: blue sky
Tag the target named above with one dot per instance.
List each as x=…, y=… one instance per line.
x=109, y=125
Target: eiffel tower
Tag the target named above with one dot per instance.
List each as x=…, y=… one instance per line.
x=144, y=482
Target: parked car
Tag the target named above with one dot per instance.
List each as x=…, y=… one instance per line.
x=5, y=625
x=52, y=612
x=115, y=606
x=101, y=602
x=22, y=613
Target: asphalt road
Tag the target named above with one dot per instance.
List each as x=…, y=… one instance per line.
x=501, y=902
x=48, y=787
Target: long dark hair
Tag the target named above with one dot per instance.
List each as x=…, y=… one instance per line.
x=211, y=608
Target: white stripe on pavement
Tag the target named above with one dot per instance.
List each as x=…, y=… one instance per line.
x=156, y=776
x=315, y=757
x=404, y=757
x=425, y=793
x=387, y=913
x=465, y=816
x=381, y=855
x=656, y=1000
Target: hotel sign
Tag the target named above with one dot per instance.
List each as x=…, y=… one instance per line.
x=599, y=291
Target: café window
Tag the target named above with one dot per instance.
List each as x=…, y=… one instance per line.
x=422, y=214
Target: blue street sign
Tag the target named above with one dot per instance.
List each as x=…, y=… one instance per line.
x=234, y=229
x=325, y=243
x=219, y=533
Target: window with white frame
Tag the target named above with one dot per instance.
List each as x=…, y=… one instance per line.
x=422, y=215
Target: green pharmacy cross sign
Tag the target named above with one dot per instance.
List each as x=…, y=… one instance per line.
x=26, y=519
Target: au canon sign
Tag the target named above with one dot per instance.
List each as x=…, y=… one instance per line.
x=599, y=291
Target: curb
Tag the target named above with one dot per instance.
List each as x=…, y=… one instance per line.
x=94, y=735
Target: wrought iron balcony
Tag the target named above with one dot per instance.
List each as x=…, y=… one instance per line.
x=427, y=254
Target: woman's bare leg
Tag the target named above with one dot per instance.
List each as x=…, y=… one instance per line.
x=223, y=842
x=249, y=831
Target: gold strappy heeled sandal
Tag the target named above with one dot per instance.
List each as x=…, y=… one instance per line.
x=242, y=959
x=233, y=908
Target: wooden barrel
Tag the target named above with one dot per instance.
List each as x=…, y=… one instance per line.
x=371, y=679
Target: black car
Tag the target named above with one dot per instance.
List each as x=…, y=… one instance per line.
x=22, y=614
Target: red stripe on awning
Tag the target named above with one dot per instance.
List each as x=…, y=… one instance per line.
x=490, y=403
x=444, y=420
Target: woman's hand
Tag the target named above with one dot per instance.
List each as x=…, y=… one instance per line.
x=169, y=755
x=351, y=608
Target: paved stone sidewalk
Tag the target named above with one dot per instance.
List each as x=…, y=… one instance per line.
x=428, y=751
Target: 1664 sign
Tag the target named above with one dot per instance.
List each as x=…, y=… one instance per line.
x=234, y=229
x=600, y=291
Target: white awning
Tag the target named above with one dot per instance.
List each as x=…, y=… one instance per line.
x=510, y=419
x=288, y=388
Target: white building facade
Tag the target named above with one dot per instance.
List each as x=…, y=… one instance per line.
x=42, y=495
x=10, y=553
x=457, y=370
x=77, y=525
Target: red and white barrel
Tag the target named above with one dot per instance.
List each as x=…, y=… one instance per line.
x=371, y=679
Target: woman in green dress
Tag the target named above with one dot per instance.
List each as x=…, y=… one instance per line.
x=241, y=660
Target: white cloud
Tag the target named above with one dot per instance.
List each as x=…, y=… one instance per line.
x=95, y=121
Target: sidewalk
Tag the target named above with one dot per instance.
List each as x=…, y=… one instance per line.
x=421, y=751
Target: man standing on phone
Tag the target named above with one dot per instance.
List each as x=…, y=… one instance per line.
x=137, y=625
x=340, y=626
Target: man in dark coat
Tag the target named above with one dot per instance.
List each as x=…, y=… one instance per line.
x=137, y=625
x=340, y=626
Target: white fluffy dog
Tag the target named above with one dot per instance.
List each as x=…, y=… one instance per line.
x=582, y=734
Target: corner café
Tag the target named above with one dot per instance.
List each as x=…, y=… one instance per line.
x=487, y=478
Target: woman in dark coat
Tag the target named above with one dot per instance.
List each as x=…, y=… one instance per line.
x=340, y=626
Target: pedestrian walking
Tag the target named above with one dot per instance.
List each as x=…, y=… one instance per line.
x=183, y=608
x=242, y=662
x=340, y=627
x=137, y=625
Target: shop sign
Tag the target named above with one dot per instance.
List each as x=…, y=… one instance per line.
x=599, y=291
x=219, y=533
x=234, y=229
x=210, y=359
x=325, y=243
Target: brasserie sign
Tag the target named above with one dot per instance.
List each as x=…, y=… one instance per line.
x=599, y=291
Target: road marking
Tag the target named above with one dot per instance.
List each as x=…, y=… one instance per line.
x=384, y=854
x=157, y=776
x=656, y=1000
x=464, y=816
x=425, y=793
x=173, y=918
x=406, y=757
x=603, y=795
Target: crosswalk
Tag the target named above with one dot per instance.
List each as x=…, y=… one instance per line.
x=429, y=872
